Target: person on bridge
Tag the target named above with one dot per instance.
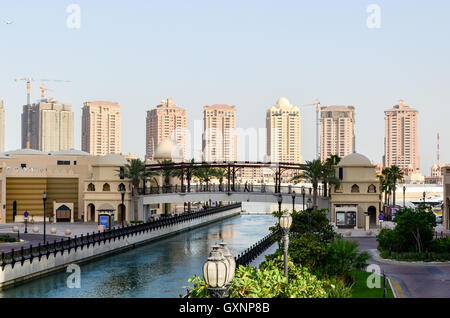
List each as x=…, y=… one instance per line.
x=246, y=187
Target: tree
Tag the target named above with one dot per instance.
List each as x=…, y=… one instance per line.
x=168, y=173
x=136, y=172
x=395, y=174
x=316, y=171
x=220, y=174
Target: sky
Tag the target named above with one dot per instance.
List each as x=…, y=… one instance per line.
x=244, y=53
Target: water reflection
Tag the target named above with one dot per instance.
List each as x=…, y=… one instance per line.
x=158, y=269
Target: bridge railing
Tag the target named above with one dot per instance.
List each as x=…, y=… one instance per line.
x=238, y=188
x=35, y=253
x=255, y=250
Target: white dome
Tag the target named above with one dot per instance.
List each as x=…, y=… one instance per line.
x=112, y=160
x=283, y=101
x=355, y=159
x=25, y=152
x=70, y=152
x=168, y=150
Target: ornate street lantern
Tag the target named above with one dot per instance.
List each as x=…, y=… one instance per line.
x=215, y=273
x=231, y=261
x=285, y=224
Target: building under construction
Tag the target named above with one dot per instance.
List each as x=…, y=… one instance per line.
x=47, y=126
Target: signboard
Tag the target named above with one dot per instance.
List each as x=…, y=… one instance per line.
x=104, y=220
x=213, y=204
x=25, y=214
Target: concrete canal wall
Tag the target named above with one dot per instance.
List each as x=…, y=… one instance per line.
x=18, y=272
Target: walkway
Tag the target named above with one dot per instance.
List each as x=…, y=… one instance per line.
x=416, y=280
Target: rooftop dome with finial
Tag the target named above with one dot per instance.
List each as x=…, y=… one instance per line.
x=355, y=160
x=168, y=149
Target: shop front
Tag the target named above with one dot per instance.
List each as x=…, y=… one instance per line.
x=346, y=215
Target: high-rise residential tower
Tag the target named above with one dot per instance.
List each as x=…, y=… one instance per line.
x=101, y=128
x=166, y=120
x=219, y=135
x=47, y=126
x=2, y=127
x=401, y=138
x=284, y=132
x=337, y=135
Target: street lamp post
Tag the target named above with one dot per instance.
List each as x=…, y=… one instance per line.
x=293, y=201
x=285, y=224
x=309, y=205
x=424, y=197
x=216, y=273
x=26, y=221
x=44, y=198
x=404, y=190
x=122, y=216
x=280, y=200
x=303, y=195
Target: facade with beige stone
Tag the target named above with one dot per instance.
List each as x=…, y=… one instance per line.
x=356, y=203
x=64, y=176
x=101, y=128
x=166, y=120
x=446, y=210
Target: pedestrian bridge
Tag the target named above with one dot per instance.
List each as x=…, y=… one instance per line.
x=241, y=193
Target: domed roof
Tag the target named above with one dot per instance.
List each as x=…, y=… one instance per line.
x=283, y=101
x=70, y=152
x=25, y=152
x=355, y=159
x=168, y=149
x=112, y=159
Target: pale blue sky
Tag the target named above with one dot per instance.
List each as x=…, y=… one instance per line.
x=245, y=53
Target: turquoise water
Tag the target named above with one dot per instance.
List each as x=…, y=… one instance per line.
x=158, y=269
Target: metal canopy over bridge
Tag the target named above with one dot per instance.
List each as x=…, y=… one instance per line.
x=231, y=167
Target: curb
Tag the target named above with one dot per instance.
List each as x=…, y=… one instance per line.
x=376, y=255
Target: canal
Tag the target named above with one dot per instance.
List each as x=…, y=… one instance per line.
x=157, y=269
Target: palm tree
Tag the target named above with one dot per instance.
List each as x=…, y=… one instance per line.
x=315, y=172
x=203, y=174
x=136, y=172
x=330, y=163
x=384, y=187
x=312, y=173
x=395, y=174
x=220, y=174
x=168, y=173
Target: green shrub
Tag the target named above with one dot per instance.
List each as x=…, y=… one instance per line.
x=269, y=282
x=342, y=257
x=441, y=245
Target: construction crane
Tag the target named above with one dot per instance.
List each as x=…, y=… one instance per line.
x=316, y=104
x=43, y=89
x=28, y=80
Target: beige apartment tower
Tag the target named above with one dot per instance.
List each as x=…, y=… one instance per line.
x=337, y=135
x=283, y=124
x=47, y=126
x=401, y=138
x=166, y=120
x=2, y=127
x=219, y=135
x=101, y=128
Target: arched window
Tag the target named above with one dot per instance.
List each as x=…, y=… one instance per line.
x=91, y=187
x=372, y=189
x=106, y=187
x=121, y=187
x=355, y=188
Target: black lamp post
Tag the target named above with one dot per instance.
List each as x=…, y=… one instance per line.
x=122, y=215
x=285, y=224
x=309, y=205
x=303, y=195
x=44, y=198
x=26, y=221
x=280, y=200
x=423, y=197
x=404, y=190
x=293, y=201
